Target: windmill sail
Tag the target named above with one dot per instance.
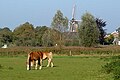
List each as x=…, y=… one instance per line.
x=73, y=12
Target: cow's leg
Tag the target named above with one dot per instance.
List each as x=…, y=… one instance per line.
x=28, y=67
x=49, y=61
x=28, y=62
x=32, y=63
x=40, y=64
x=36, y=64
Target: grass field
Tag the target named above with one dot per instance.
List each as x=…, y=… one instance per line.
x=66, y=68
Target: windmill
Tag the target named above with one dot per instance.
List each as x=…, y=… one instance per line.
x=73, y=23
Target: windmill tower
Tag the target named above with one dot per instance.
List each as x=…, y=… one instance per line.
x=73, y=23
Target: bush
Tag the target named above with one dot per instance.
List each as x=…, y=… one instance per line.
x=113, y=67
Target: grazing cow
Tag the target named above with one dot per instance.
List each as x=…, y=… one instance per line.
x=37, y=58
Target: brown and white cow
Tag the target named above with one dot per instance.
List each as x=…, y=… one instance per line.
x=37, y=59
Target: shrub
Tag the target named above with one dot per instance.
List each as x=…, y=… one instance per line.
x=113, y=67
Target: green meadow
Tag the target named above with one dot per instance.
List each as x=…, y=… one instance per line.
x=65, y=68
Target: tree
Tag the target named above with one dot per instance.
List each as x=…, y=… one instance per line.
x=59, y=22
x=5, y=36
x=65, y=24
x=39, y=32
x=88, y=31
x=24, y=35
x=101, y=24
x=52, y=37
x=109, y=39
x=47, y=38
x=57, y=37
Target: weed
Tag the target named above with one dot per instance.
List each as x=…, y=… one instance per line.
x=1, y=66
x=10, y=68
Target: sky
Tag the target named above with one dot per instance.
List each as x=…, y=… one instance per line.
x=41, y=12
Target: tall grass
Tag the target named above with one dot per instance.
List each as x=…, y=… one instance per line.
x=104, y=50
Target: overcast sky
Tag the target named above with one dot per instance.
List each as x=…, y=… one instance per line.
x=40, y=12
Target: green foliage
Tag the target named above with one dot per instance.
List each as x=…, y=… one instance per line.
x=39, y=32
x=101, y=24
x=59, y=22
x=5, y=36
x=27, y=35
x=88, y=31
x=47, y=38
x=65, y=24
x=109, y=40
x=113, y=67
x=24, y=34
x=24, y=28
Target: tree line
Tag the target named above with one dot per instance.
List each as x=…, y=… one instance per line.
x=90, y=33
